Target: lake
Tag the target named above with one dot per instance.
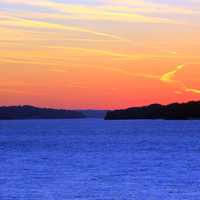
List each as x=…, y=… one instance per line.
x=93, y=159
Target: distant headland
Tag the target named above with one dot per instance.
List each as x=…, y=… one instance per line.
x=31, y=112
x=174, y=111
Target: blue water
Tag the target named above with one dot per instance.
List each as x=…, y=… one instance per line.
x=99, y=160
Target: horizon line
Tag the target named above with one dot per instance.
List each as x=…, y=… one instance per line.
x=96, y=109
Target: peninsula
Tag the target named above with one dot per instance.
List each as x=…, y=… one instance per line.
x=31, y=112
x=176, y=111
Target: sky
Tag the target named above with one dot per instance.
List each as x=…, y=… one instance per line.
x=102, y=54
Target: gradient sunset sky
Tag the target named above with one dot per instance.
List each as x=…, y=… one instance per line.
x=99, y=53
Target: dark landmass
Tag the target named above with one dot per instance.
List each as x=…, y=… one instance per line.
x=175, y=111
x=31, y=112
x=94, y=113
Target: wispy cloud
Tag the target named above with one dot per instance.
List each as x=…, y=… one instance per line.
x=128, y=73
x=193, y=90
x=115, y=54
x=12, y=21
x=26, y=62
x=169, y=77
x=21, y=92
x=154, y=7
x=107, y=11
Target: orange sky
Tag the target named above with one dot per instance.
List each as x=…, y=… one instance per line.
x=99, y=54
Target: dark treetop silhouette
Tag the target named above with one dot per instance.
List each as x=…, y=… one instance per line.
x=190, y=110
x=30, y=112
